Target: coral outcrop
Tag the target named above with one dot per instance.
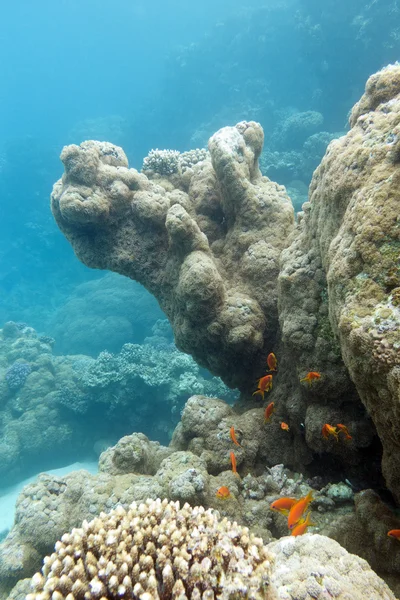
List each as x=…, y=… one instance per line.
x=209, y=254
x=237, y=278
x=54, y=409
x=218, y=248
x=313, y=566
x=341, y=274
x=136, y=468
x=204, y=430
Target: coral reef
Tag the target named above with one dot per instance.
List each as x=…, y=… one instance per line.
x=158, y=550
x=58, y=408
x=295, y=128
x=287, y=164
x=204, y=430
x=208, y=243
x=350, y=231
x=136, y=468
x=313, y=566
x=218, y=247
x=364, y=532
x=16, y=375
x=133, y=454
x=162, y=372
x=210, y=256
x=114, y=309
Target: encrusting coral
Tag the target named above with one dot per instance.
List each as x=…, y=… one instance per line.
x=156, y=550
x=209, y=255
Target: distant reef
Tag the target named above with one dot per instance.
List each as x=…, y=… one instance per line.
x=55, y=409
x=238, y=277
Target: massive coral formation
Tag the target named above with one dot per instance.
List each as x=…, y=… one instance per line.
x=211, y=242
x=208, y=249
x=351, y=228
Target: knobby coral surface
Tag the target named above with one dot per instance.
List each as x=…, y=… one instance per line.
x=354, y=218
x=211, y=242
x=156, y=551
x=209, y=254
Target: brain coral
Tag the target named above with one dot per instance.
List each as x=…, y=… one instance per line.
x=209, y=254
x=156, y=550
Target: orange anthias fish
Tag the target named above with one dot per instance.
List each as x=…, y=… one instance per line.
x=268, y=412
x=272, y=362
x=283, y=505
x=264, y=385
x=311, y=376
x=233, y=462
x=328, y=430
x=285, y=426
x=233, y=436
x=302, y=525
x=298, y=509
x=394, y=533
x=223, y=493
x=343, y=429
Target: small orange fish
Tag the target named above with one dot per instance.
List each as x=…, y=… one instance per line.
x=264, y=385
x=343, y=429
x=328, y=430
x=223, y=493
x=233, y=436
x=394, y=533
x=272, y=362
x=283, y=505
x=285, y=426
x=233, y=462
x=268, y=412
x=311, y=376
x=302, y=525
x=298, y=509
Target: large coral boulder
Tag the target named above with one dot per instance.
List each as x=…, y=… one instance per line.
x=354, y=217
x=208, y=250
x=314, y=566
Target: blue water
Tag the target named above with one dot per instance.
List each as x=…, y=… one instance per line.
x=165, y=74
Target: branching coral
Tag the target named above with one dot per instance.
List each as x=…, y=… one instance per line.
x=156, y=550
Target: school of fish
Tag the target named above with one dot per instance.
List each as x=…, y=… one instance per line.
x=297, y=510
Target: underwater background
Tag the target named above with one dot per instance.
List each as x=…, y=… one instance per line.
x=87, y=356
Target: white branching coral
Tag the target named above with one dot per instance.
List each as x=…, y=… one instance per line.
x=163, y=162
x=168, y=162
x=156, y=551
